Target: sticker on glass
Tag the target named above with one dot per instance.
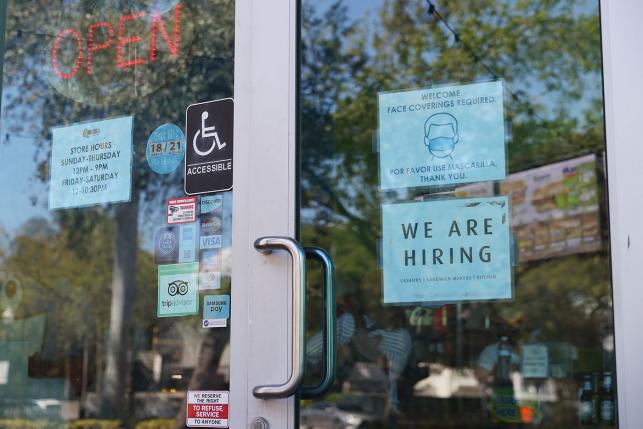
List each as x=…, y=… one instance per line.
x=216, y=311
x=210, y=203
x=442, y=136
x=91, y=163
x=207, y=408
x=178, y=290
x=181, y=210
x=165, y=149
x=210, y=270
x=211, y=222
x=208, y=160
x=188, y=236
x=166, y=245
x=446, y=250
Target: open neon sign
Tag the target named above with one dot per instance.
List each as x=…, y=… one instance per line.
x=87, y=48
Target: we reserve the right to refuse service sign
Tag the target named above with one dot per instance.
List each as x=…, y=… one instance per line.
x=207, y=408
x=442, y=136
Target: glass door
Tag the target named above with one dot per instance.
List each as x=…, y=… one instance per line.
x=452, y=161
x=114, y=283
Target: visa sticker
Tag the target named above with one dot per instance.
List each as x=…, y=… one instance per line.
x=210, y=242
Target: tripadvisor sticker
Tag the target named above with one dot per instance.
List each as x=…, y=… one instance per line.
x=165, y=149
x=178, y=290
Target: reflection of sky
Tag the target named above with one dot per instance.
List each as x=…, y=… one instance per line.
x=18, y=183
x=17, y=177
x=533, y=86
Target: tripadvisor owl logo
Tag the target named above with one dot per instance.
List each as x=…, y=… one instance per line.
x=178, y=287
x=441, y=134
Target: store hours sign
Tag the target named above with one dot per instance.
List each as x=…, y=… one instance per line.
x=91, y=163
x=446, y=250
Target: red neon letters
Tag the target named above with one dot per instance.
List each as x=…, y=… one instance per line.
x=79, y=53
x=91, y=47
x=104, y=32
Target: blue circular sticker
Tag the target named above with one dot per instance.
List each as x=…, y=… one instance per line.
x=165, y=149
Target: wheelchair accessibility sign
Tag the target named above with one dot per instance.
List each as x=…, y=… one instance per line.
x=208, y=158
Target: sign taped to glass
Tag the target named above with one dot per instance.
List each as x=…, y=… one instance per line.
x=91, y=163
x=208, y=160
x=446, y=250
x=178, y=290
x=442, y=136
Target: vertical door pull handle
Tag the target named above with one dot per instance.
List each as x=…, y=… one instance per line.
x=316, y=391
x=266, y=245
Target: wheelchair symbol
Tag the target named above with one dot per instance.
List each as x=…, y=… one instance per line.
x=207, y=132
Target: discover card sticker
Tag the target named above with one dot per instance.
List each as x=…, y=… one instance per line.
x=442, y=136
x=446, y=250
x=91, y=163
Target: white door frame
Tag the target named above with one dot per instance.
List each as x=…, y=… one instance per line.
x=264, y=204
x=622, y=66
x=264, y=201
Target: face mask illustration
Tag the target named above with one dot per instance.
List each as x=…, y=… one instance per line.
x=441, y=134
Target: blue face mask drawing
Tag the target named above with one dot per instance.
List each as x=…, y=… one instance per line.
x=441, y=134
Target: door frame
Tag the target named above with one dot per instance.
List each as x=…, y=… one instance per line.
x=623, y=92
x=264, y=204
x=265, y=201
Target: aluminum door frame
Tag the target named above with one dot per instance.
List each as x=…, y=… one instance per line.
x=264, y=203
x=622, y=37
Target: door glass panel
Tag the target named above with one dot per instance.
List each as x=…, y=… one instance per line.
x=105, y=262
x=441, y=321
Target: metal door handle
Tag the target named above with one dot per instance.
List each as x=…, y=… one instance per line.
x=266, y=245
x=320, y=255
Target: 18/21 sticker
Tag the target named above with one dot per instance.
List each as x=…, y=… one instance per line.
x=165, y=149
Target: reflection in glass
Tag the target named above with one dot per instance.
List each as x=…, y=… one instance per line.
x=79, y=334
x=545, y=358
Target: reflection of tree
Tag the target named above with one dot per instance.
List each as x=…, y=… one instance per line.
x=548, y=55
x=66, y=272
x=34, y=101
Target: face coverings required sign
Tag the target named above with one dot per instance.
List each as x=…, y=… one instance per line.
x=442, y=136
x=446, y=250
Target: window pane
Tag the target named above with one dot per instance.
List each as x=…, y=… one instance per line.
x=452, y=162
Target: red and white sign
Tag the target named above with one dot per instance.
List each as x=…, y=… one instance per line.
x=181, y=210
x=207, y=408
